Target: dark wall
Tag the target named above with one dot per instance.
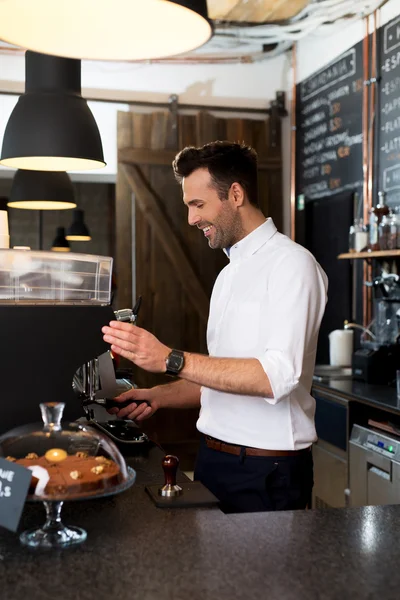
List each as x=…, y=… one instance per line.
x=327, y=224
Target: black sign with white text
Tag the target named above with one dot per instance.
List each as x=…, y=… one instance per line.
x=389, y=124
x=329, y=128
x=14, y=486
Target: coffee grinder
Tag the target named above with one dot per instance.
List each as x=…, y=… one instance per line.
x=378, y=358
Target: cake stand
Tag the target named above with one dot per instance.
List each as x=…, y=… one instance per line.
x=53, y=533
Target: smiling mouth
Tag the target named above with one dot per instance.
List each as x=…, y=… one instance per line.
x=207, y=230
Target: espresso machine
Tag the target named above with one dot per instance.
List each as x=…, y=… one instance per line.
x=378, y=358
x=98, y=381
x=52, y=309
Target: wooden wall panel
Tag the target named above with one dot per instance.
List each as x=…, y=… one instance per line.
x=123, y=220
x=166, y=292
x=141, y=133
x=194, y=336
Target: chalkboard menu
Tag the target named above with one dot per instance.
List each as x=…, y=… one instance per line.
x=329, y=128
x=389, y=113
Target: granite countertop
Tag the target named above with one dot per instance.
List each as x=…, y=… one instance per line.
x=135, y=550
x=381, y=396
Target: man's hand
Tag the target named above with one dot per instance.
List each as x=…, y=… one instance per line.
x=136, y=412
x=137, y=345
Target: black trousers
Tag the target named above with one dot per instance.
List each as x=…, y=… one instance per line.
x=256, y=483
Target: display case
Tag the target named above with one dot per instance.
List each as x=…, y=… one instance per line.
x=47, y=277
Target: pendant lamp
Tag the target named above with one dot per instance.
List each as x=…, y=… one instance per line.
x=60, y=244
x=41, y=190
x=105, y=30
x=78, y=232
x=51, y=127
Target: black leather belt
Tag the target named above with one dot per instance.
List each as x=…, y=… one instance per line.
x=235, y=449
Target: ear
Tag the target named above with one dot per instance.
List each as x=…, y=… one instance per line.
x=237, y=194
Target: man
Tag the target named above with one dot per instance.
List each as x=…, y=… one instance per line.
x=257, y=414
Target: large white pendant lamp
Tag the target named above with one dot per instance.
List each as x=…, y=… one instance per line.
x=105, y=29
x=51, y=127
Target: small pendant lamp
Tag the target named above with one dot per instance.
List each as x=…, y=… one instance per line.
x=41, y=190
x=105, y=30
x=78, y=231
x=51, y=127
x=60, y=244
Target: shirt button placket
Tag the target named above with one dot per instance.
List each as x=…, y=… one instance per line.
x=226, y=298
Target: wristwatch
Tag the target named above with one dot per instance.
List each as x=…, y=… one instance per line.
x=174, y=361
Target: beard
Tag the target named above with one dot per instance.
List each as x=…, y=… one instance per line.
x=227, y=229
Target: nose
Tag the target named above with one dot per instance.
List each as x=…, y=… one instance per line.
x=193, y=217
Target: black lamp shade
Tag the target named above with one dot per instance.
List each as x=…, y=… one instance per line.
x=51, y=127
x=78, y=232
x=60, y=244
x=105, y=30
x=41, y=190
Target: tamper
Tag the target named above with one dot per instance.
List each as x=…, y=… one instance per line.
x=170, y=466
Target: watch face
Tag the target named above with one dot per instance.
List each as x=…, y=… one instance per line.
x=175, y=361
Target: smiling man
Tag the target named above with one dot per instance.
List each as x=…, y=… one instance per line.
x=257, y=414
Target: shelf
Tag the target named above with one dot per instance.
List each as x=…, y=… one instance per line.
x=376, y=254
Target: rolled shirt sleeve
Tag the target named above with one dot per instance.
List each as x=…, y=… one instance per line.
x=296, y=299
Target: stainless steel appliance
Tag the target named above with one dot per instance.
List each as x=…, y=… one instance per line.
x=374, y=465
x=330, y=451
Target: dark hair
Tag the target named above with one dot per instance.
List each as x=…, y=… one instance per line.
x=227, y=163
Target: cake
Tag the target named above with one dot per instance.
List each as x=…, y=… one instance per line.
x=74, y=476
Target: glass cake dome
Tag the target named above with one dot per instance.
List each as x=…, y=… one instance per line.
x=68, y=461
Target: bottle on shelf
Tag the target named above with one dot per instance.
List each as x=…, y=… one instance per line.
x=397, y=221
x=384, y=233
x=381, y=209
x=394, y=224
x=373, y=242
x=358, y=236
x=358, y=233
x=376, y=215
x=352, y=239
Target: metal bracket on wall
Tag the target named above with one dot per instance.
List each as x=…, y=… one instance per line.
x=277, y=110
x=173, y=108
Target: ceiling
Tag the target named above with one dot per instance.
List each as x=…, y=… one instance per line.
x=248, y=31
x=255, y=11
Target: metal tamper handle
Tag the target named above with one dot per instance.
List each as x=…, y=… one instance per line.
x=170, y=466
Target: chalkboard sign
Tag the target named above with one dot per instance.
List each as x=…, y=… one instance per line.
x=14, y=483
x=329, y=128
x=389, y=112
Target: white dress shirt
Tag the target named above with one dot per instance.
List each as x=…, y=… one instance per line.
x=267, y=303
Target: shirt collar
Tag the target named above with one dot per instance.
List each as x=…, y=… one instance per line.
x=252, y=242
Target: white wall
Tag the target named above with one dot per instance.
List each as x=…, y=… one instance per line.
x=242, y=85
x=237, y=85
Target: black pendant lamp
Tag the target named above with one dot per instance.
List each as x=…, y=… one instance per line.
x=51, y=127
x=41, y=190
x=60, y=243
x=105, y=30
x=78, y=232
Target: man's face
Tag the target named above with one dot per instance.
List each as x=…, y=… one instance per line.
x=218, y=219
